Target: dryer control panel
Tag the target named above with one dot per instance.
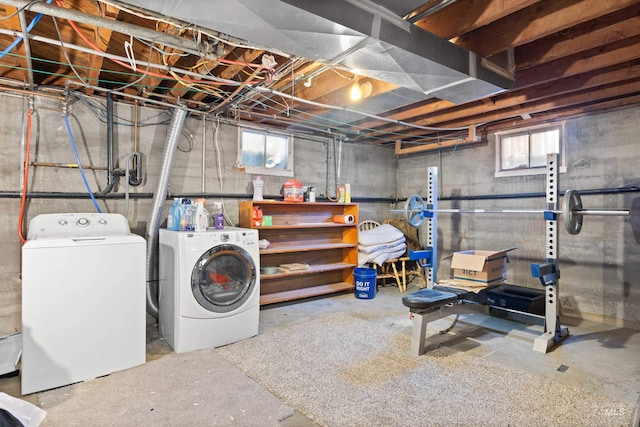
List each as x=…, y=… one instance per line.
x=77, y=225
x=233, y=235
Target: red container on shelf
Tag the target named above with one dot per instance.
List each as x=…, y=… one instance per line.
x=293, y=191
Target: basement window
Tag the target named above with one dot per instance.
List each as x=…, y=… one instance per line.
x=524, y=151
x=265, y=152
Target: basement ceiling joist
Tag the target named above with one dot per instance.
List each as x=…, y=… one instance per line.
x=569, y=57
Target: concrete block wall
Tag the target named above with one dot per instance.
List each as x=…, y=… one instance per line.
x=370, y=170
x=600, y=276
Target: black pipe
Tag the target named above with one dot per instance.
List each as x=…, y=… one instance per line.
x=72, y=195
x=111, y=179
x=136, y=178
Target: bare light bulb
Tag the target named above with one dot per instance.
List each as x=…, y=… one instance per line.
x=356, y=93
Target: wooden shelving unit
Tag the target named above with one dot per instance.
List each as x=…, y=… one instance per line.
x=305, y=233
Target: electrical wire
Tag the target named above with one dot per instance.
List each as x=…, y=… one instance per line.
x=75, y=153
x=26, y=6
x=121, y=63
x=29, y=27
x=215, y=129
x=100, y=113
x=262, y=92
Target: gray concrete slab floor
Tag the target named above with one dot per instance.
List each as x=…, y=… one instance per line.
x=600, y=358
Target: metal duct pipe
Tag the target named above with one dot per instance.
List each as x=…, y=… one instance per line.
x=160, y=195
x=357, y=34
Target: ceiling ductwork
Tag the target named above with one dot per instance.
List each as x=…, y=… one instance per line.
x=357, y=34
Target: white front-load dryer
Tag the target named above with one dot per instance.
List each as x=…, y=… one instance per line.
x=209, y=287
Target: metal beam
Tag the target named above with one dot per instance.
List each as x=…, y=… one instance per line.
x=27, y=48
x=180, y=43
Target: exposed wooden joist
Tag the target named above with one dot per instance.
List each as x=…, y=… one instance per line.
x=589, y=96
x=608, y=29
x=582, y=62
x=520, y=99
x=464, y=16
x=538, y=21
x=563, y=114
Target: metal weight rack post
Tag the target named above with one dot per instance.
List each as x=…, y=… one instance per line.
x=548, y=272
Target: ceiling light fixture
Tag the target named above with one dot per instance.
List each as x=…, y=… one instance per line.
x=356, y=93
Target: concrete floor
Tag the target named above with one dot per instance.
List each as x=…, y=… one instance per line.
x=596, y=357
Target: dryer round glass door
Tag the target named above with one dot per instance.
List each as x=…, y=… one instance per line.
x=223, y=278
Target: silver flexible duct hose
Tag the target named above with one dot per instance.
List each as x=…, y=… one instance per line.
x=177, y=122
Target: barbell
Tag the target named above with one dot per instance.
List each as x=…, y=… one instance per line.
x=572, y=211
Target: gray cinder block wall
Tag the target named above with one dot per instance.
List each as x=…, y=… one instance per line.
x=600, y=275
x=370, y=170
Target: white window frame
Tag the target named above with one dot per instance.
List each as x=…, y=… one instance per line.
x=538, y=170
x=263, y=170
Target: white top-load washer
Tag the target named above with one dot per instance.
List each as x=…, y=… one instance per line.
x=209, y=290
x=83, y=299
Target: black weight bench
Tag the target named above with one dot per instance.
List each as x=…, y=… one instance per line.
x=427, y=305
x=426, y=300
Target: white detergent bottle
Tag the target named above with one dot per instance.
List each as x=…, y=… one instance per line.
x=258, y=184
x=202, y=216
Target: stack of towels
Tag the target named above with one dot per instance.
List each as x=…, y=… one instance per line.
x=380, y=244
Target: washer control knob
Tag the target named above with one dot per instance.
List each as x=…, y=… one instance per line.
x=224, y=237
x=102, y=221
x=82, y=222
x=63, y=222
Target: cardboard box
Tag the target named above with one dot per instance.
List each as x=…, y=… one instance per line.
x=480, y=268
x=293, y=194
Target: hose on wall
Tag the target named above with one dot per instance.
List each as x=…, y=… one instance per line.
x=75, y=153
x=25, y=181
x=160, y=195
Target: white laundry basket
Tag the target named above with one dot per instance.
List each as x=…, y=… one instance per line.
x=10, y=351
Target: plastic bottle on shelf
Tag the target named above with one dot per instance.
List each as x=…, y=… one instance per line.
x=202, y=216
x=218, y=216
x=173, y=219
x=186, y=215
x=347, y=193
x=258, y=184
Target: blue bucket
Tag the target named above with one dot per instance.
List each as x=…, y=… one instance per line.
x=365, y=279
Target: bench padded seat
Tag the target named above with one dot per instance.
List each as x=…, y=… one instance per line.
x=426, y=299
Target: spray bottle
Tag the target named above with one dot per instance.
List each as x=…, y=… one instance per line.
x=173, y=219
x=218, y=216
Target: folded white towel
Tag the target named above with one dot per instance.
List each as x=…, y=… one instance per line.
x=372, y=248
x=380, y=256
x=384, y=234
